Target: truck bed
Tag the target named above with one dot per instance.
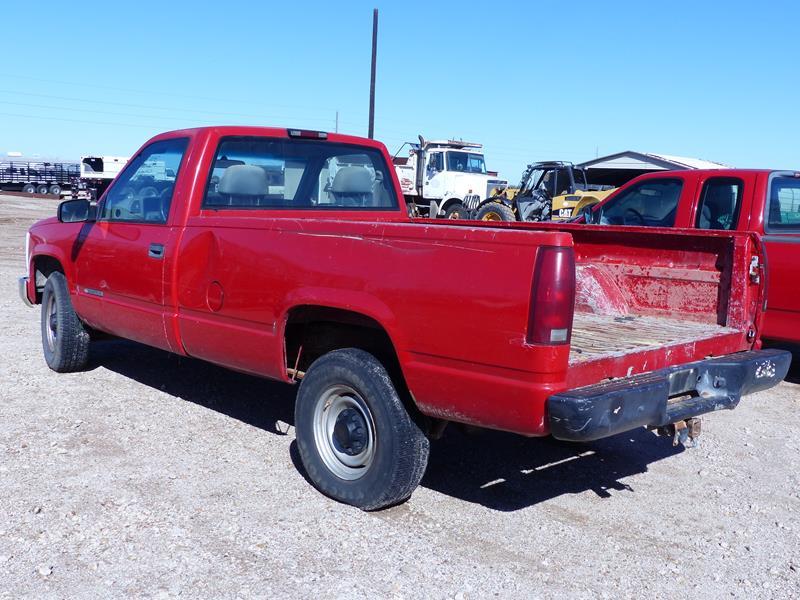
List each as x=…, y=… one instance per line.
x=648, y=298
x=596, y=337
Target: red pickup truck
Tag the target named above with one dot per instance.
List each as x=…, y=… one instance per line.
x=289, y=254
x=760, y=201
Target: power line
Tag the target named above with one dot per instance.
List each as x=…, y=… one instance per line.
x=84, y=84
x=122, y=114
x=151, y=107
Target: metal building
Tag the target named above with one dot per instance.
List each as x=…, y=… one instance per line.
x=617, y=169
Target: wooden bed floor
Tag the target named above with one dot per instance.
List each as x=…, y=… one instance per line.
x=597, y=336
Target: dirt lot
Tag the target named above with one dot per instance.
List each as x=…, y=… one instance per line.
x=153, y=475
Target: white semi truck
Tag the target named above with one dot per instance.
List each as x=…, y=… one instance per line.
x=445, y=178
x=96, y=174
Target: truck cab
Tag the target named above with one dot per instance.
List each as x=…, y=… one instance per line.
x=446, y=178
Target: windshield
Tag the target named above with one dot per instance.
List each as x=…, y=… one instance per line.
x=465, y=162
x=535, y=181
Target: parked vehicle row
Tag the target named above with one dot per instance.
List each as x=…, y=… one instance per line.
x=445, y=178
x=554, y=190
x=289, y=254
x=37, y=177
x=87, y=179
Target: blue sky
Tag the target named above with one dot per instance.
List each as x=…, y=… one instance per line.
x=532, y=81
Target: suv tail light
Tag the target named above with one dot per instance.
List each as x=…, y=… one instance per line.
x=552, y=297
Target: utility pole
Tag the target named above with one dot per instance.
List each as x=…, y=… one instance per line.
x=371, y=133
x=337, y=122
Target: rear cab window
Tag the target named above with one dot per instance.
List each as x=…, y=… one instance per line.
x=783, y=203
x=651, y=203
x=287, y=174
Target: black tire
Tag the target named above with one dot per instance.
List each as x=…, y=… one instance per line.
x=42, y=189
x=29, y=188
x=55, y=189
x=394, y=452
x=456, y=211
x=495, y=211
x=64, y=340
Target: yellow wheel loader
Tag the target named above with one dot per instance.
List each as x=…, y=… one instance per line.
x=553, y=190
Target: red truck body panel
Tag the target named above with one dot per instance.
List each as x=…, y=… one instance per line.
x=229, y=281
x=782, y=317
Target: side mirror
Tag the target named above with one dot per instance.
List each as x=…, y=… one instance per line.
x=76, y=211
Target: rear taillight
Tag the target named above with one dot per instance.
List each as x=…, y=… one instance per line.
x=552, y=297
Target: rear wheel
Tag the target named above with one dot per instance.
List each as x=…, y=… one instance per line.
x=55, y=189
x=495, y=211
x=456, y=211
x=64, y=340
x=29, y=188
x=42, y=189
x=357, y=442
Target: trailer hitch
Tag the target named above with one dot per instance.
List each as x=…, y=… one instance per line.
x=683, y=432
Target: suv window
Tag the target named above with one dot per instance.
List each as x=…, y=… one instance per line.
x=650, y=203
x=143, y=191
x=784, y=204
x=719, y=205
x=257, y=172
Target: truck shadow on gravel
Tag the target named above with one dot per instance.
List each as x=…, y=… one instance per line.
x=498, y=470
x=508, y=472
x=262, y=403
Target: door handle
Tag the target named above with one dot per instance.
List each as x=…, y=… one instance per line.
x=156, y=251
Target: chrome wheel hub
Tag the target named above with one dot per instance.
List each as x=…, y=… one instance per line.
x=344, y=432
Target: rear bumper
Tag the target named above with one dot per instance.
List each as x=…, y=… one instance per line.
x=662, y=397
x=22, y=283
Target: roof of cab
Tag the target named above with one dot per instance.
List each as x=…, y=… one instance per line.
x=252, y=130
x=701, y=173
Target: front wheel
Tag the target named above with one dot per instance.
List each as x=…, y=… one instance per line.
x=64, y=340
x=456, y=211
x=357, y=441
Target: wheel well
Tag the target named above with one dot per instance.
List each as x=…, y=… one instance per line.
x=450, y=201
x=43, y=266
x=312, y=331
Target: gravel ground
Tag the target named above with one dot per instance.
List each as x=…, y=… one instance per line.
x=152, y=475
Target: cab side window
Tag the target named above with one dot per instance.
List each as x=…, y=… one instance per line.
x=719, y=205
x=651, y=203
x=142, y=193
x=435, y=164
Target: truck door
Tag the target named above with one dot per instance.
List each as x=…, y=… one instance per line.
x=122, y=258
x=782, y=241
x=433, y=179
